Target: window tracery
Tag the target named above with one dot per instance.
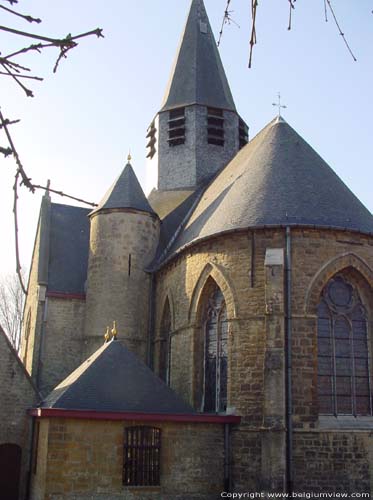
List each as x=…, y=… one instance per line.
x=165, y=344
x=215, y=354
x=343, y=351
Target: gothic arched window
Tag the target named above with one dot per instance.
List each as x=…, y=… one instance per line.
x=215, y=354
x=343, y=354
x=165, y=344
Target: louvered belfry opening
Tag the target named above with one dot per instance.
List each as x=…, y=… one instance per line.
x=176, y=127
x=243, y=133
x=151, y=135
x=343, y=351
x=215, y=126
x=142, y=452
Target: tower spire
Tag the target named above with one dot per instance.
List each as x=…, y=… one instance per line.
x=198, y=75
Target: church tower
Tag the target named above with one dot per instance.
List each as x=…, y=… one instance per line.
x=123, y=240
x=197, y=130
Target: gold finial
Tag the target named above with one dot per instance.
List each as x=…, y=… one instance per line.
x=107, y=334
x=129, y=157
x=114, y=331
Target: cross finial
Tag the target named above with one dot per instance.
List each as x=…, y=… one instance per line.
x=279, y=105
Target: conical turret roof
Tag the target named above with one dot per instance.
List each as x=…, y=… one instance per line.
x=126, y=192
x=275, y=180
x=198, y=75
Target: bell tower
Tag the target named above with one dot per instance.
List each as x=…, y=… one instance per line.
x=197, y=130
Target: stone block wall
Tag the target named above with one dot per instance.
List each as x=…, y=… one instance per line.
x=62, y=341
x=122, y=244
x=333, y=462
x=237, y=263
x=189, y=164
x=33, y=313
x=17, y=395
x=84, y=459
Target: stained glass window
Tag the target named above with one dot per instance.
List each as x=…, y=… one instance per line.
x=216, y=354
x=343, y=354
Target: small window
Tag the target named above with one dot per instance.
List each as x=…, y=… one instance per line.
x=142, y=452
x=215, y=126
x=243, y=131
x=176, y=127
x=151, y=135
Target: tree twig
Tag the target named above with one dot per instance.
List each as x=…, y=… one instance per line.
x=291, y=8
x=5, y=151
x=27, y=91
x=25, y=180
x=23, y=76
x=225, y=18
x=254, y=5
x=60, y=193
x=29, y=19
x=55, y=41
x=340, y=30
x=15, y=212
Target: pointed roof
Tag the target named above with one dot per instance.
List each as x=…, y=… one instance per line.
x=126, y=192
x=114, y=380
x=275, y=180
x=198, y=75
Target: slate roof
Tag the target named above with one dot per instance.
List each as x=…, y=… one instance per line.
x=275, y=180
x=126, y=192
x=114, y=380
x=198, y=75
x=68, y=250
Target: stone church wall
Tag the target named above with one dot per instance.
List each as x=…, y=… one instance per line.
x=236, y=263
x=17, y=395
x=85, y=461
x=62, y=342
x=122, y=244
x=33, y=314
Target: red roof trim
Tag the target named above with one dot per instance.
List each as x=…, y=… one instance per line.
x=143, y=417
x=63, y=295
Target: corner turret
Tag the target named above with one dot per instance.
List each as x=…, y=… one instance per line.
x=124, y=238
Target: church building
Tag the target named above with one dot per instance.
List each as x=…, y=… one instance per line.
x=213, y=338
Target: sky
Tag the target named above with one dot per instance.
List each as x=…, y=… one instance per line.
x=78, y=129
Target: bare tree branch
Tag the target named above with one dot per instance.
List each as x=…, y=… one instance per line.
x=15, y=213
x=11, y=307
x=254, y=5
x=23, y=76
x=25, y=180
x=340, y=30
x=60, y=193
x=30, y=19
x=17, y=72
